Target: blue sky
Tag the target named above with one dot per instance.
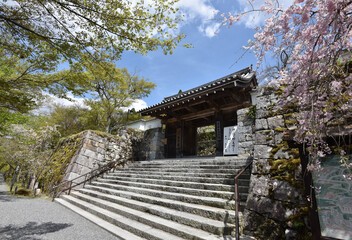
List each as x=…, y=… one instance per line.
x=212, y=56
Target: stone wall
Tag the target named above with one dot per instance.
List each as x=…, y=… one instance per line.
x=81, y=153
x=98, y=148
x=276, y=207
x=245, y=131
x=151, y=145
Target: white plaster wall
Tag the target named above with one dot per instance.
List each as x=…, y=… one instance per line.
x=145, y=124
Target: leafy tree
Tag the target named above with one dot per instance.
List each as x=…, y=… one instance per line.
x=114, y=89
x=7, y=118
x=69, y=120
x=28, y=144
x=317, y=74
x=22, y=83
x=38, y=36
x=53, y=30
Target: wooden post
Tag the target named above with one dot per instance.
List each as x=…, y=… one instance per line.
x=219, y=128
x=178, y=142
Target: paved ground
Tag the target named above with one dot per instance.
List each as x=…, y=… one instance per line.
x=37, y=219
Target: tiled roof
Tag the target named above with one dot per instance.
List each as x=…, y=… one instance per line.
x=240, y=78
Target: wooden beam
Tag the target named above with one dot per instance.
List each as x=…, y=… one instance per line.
x=211, y=102
x=190, y=108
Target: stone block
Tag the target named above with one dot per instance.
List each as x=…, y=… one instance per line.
x=262, y=151
x=81, y=159
x=249, y=137
x=282, y=155
x=257, y=224
x=245, y=137
x=259, y=185
x=266, y=206
x=242, y=151
x=76, y=168
x=261, y=124
x=276, y=122
x=89, y=146
x=245, y=130
x=242, y=112
x=85, y=170
x=261, y=166
x=264, y=137
x=292, y=127
x=261, y=113
x=247, y=145
x=263, y=102
x=100, y=150
x=89, y=153
x=283, y=191
x=278, y=137
x=72, y=175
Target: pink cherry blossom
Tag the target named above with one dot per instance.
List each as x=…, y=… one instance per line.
x=317, y=35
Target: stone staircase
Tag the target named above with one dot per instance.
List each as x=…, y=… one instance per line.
x=165, y=199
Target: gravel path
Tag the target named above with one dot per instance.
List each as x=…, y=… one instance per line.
x=37, y=219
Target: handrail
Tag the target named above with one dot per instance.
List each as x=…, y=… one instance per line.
x=237, y=200
x=87, y=177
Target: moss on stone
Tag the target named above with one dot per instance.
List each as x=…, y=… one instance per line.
x=60, y=160
x=290, y=122
x=280, y=129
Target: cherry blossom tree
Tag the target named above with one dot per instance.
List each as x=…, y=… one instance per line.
x=316, y=76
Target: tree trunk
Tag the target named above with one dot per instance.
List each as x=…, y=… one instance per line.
x=108, y=125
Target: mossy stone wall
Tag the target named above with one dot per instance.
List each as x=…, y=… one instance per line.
x=79, y=154
x=276, y=207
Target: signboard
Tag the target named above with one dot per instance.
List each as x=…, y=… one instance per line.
x=334, y=199
x=230, y=140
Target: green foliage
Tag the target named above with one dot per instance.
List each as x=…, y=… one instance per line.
x=113, y=89
x=22, y=83
x=38, y=36
x=8, y=117
x=27, y=142
x=206, y=144
x=71, y=119
x=251, y=111
x=59, y=161
x=47, y=32
x=17, y=91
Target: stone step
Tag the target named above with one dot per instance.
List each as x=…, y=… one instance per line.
x=184, y=178
x=192, y=166
x=209, y=201
x=196, y=185
x=145, y=213
x=192, y=191
x=157, y=166
x=115, y=230
x=129, y=198
x=199, y=161
x=135, y=227
x=230, y=171
x=186, y=174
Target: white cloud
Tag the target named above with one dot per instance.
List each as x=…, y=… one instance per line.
x=75, y=101
x=137, y=105
x=200, y=11
x=211, y=30
x=78, y=101
x=50, y=100
x=256, y=19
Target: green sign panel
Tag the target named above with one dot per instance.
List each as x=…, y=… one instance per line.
x=334, y=199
